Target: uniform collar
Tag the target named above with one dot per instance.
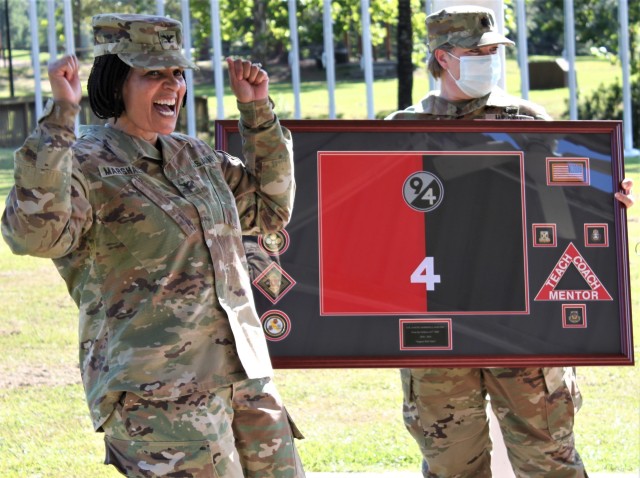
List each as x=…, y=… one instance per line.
x=131, y=149
x=434, y=104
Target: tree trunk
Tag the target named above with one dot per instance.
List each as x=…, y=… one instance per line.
x=77, y=38
x=405, y=49
x=259, y=49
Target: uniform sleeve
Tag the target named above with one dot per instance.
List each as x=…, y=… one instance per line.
x=47, y=210
x=264, y=187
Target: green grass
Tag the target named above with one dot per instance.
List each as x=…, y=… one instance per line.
x=590, y=73
x=351, y=423
x=350, y=97
x=351, y=417
x=46, y=434
x=6, y=171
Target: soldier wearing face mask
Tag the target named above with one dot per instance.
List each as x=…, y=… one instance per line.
x=445, y=409
x=464, y=43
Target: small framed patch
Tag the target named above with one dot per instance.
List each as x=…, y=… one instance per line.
x=596, y=235
x=544, y=235
x=568, y=172
x=274, y=282
x=574, y=316
x=274, y=243
x=276, y=325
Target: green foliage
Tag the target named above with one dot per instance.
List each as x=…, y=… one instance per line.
x=510, y=20
x=248, y=26
x=418, y=17
x=606, y=103
x=240, y=23
x=19, y=24
x=596, y=25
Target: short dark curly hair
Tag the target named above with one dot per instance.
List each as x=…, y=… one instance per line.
x=105, y=84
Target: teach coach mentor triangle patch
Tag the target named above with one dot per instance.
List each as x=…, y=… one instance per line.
x=570, y=257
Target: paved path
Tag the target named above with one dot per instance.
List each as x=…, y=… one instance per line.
x=405, y=474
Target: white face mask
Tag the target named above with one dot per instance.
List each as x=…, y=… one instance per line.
x=478, y=74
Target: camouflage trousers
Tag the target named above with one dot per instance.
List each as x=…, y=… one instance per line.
x=445, y=412
x=232, y=432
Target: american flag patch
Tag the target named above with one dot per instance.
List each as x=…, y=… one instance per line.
x=568, y=171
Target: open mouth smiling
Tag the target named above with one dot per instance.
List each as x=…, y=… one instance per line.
x=165, y=107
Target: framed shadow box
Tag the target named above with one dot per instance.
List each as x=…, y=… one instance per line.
x=447, y=243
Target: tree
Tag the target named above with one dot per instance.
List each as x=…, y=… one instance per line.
x=404, y=53
x=260, y=31
x=596, y=25
x=263, y=25
x=19, y=22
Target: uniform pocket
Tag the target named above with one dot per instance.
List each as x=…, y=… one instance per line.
x=171, y=438
x=144, y=459
x=171, y=209
x=560, y=414
x=149, y=224
x=225, y=203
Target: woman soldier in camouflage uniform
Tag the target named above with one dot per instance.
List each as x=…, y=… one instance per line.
x=145, y=226
x=445, y=409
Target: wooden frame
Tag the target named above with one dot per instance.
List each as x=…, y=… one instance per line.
x=447, y=243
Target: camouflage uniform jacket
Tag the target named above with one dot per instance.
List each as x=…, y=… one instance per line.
x=149, y=245
x=496, y=105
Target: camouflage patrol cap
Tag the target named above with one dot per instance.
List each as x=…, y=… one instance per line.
x=465, y=27
x=142, y=41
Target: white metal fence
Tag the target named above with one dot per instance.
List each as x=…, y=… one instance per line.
x=430, y=5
